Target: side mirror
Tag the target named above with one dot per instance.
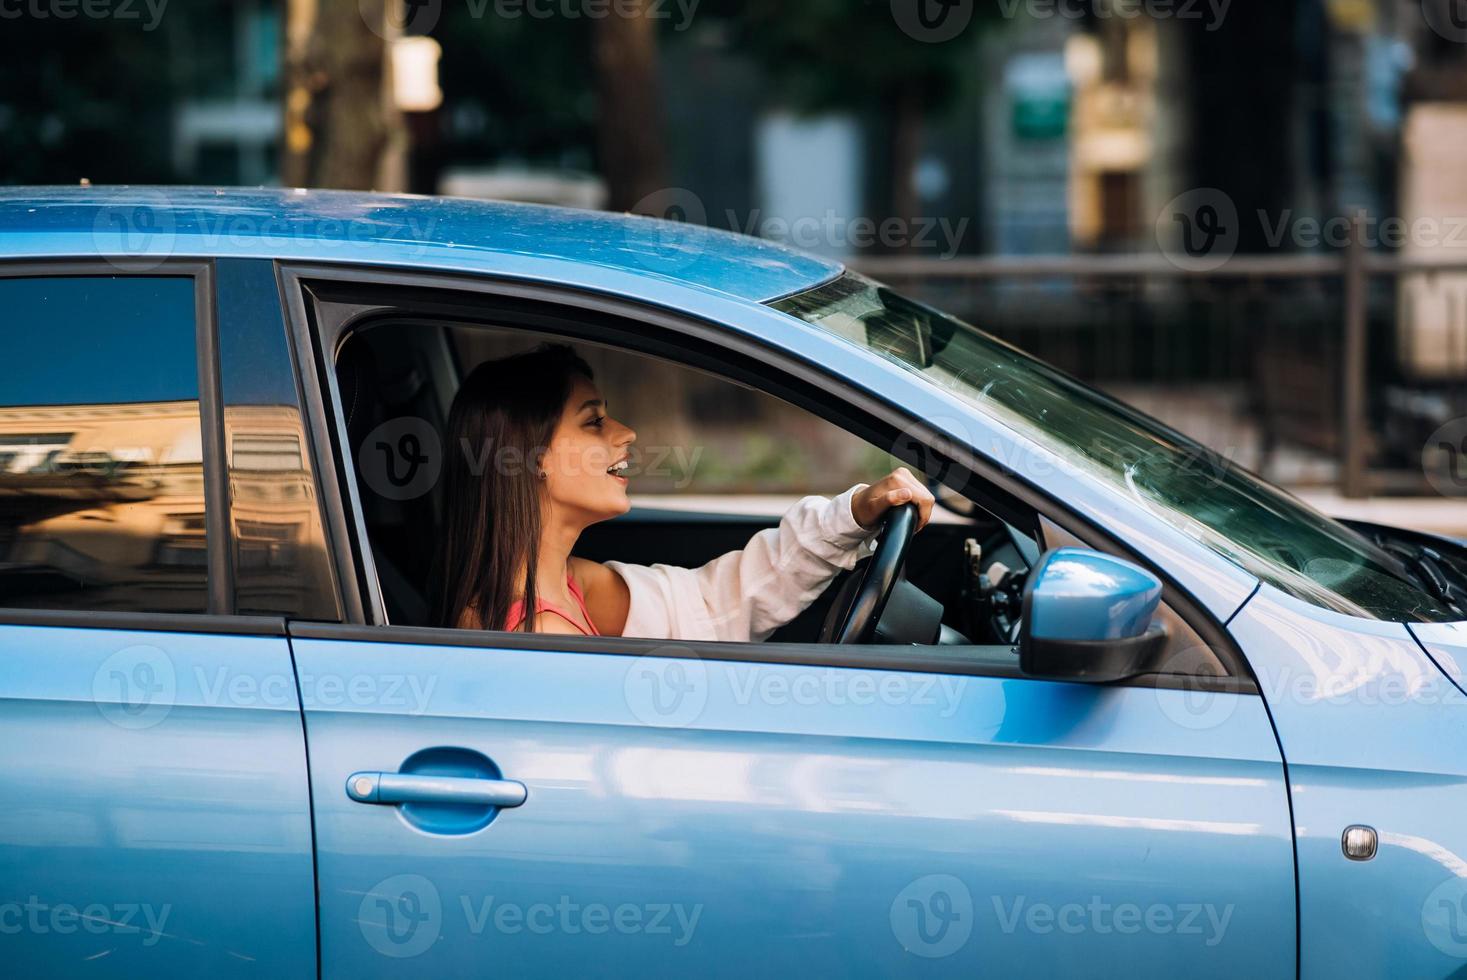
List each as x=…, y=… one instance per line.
x=1087, y=617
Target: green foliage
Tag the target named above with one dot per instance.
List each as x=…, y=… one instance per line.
x=523, y=88
x=837, y=54
x=770, y=462
x=84, y=98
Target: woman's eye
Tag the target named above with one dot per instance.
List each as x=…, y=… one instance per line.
x=598, y=421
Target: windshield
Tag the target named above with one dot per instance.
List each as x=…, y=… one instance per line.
x=1269, y=533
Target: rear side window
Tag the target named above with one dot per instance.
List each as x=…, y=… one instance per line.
x=101, y=458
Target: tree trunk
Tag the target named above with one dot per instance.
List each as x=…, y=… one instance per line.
x=630, y=138
x=1242, y=96
x=906, y=150
x=341, y=129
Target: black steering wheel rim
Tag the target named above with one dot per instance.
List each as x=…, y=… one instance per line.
x=856, y=622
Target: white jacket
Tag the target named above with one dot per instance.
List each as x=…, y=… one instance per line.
x=748, y=594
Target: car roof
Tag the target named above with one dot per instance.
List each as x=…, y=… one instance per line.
x=455, y=234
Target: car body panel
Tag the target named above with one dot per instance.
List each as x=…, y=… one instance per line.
x=156, y=785
x=1446, y=644
x=792, y=814
x=1374, y=734
x=142, y=224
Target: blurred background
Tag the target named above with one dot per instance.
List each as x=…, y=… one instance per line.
x=1249, y=217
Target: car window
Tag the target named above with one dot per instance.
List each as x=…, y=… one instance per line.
x=703, y=479
x=702, y=442
x=101, y=460
x=1239, y=516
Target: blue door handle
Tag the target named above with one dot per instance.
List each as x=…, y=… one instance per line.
x=392, y=788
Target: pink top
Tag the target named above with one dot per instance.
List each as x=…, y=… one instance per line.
x=517, y=611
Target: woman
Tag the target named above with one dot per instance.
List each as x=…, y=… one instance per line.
x=534, y=459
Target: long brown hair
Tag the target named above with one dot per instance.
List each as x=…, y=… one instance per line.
x=499, y=428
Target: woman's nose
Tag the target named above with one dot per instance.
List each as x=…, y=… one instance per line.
x=628, y=436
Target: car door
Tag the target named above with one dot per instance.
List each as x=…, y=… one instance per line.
x=156, y=817
x=541, y=805
x=685, y=815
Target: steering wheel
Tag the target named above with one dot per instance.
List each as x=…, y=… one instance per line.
x=858, y=607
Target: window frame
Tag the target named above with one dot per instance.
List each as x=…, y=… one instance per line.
x=322, y=317
x=219, y=562
x=263, y=321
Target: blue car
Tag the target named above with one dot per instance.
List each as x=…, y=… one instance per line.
x=1127, y=710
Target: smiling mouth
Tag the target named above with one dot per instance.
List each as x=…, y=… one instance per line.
x=618, y=469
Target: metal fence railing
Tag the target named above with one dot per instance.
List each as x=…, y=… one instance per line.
x=1357, y=357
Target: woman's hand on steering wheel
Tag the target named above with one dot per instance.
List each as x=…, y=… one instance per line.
x=868, y=506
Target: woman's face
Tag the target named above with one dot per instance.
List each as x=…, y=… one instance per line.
x=585, y=458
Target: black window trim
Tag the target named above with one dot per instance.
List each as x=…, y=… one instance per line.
x=579, y=313
x=897, y=658
x=220, y=584
x=279, y=319
x=145, y=622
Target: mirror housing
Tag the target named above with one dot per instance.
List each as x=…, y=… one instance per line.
x=1087, y=617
